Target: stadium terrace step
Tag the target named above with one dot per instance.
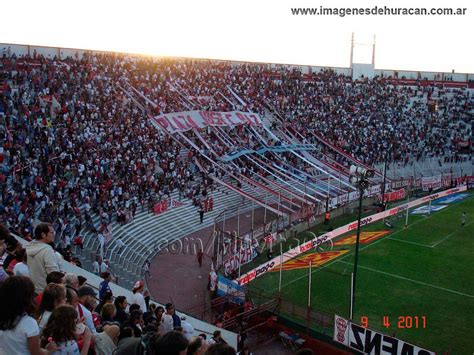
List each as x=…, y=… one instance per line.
x=147, y=233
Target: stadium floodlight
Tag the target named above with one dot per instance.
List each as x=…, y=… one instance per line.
x=360, y=171
x=359, y=177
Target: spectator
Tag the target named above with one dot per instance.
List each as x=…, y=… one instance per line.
x=8, y=244
x=72, y=281
x=87, y=297
x=82, y=280
x=149, y=316
x=104, y=286
x=54, y=295
x=63, y=328
x=213, y=283
x=146, y=268
x=120, y=306
x=188, y=329
x=200, y=255
x=21, y=267
x=55, y=277
x=135, y=322
x=159, y=314
x=19, y=332
x=138, y=297
x=108, y=298
x=170, y=319
x=108, y=313
x=41, y=257
x=96, y=265
x=171, y=343
x=78, y=241
x=217, y=338
x=71, y=297
x=197, y=346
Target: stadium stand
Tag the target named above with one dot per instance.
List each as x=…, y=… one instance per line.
x=80, y=146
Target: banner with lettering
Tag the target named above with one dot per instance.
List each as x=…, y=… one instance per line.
x=184, y=121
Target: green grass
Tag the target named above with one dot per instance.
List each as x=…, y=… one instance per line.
x=425, y=270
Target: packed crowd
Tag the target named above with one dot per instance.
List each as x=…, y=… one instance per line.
x=45, y=311
x=74, y=143
x=72, y=146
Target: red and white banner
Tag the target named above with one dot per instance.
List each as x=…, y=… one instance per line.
x=184, y=121
x=431, y=182
x=176, y=203
x=314, y=243
x=393, y=196
x=247, y=254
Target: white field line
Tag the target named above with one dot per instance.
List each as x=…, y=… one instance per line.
x=377, y=241
x=411, y=280
x=450, y=234
x=406, y=241
x=324, y=266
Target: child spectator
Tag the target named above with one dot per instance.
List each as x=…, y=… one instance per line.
x=63, y=328
x=54, y=295
x=21, y=267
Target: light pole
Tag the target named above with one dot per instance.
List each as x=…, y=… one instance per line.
x=359, y=178
x=384, y=179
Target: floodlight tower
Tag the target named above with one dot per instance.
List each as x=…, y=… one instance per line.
x=359, y=178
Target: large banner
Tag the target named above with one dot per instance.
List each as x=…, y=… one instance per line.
x=184, y=121
x=431, y=182
x=314, y=243
x=371, y=342
x=232, y=258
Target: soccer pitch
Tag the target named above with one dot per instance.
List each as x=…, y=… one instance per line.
x=416, y=283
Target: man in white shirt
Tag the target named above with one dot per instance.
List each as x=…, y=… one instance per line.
x=188, y=329
x=101, y=239
x=120, y=244
x=96, y=265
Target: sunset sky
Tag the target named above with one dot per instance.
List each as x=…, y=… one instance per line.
x=251, y=30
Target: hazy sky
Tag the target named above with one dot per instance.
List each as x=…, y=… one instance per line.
x=253, y=30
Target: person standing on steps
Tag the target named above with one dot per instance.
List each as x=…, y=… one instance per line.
x=201, y=214
x=200, y=255
x=146, y=268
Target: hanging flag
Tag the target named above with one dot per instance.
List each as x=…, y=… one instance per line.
x=176, y=203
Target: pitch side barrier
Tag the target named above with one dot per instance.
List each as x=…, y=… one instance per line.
x=314, y=243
